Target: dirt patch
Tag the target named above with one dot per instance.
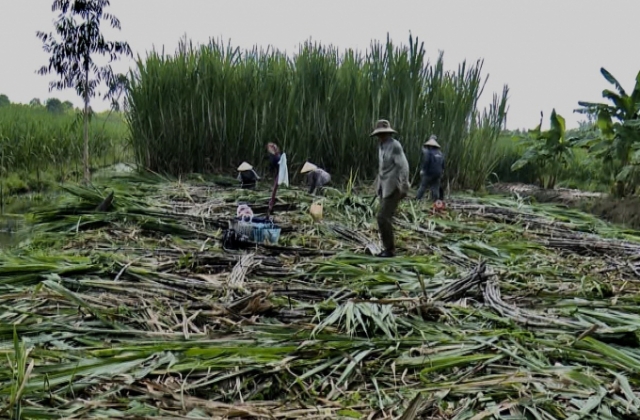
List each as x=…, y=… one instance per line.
x=619, y=211
x=624, y=211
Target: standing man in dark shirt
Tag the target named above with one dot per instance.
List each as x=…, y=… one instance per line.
x=431, y=169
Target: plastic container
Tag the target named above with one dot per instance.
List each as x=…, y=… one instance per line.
x=272, y=235
x=257, y=229
x=243, y=225
x=258, y=234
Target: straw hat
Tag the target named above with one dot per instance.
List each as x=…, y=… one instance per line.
x=308, y=167
x=432, y=142
x=383, y=126
x=244, y=167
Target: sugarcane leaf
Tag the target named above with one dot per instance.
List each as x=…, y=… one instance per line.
x=590, y=405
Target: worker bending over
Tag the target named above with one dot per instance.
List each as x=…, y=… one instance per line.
x=247, y=176
x=316, y=178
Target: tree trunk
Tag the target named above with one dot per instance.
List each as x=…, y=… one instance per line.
x=85, y=155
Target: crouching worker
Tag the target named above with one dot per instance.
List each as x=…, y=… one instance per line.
x=316, y=178
x=247, y=176
x=431, y=170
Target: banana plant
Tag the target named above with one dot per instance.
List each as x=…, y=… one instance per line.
x=548, y=151
x=618, y=144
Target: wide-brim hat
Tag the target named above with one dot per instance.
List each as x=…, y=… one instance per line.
x=382, y=127
x=432, y=142
x=244, y=167
x=308, y=167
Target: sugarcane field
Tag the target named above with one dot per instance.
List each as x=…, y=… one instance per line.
x=215, y=231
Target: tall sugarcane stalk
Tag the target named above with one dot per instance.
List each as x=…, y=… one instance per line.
x=208, y=107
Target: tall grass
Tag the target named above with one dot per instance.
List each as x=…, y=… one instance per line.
x=207, y=108
x=33, y=140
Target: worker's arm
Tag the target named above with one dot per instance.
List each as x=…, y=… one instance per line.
x=399, y=158
x=402, y=165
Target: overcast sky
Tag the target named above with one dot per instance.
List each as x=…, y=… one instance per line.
x=549, y=52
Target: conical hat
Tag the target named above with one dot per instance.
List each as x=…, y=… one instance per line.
x=382, y=126
x=308, y=167
x=432, y=142
x=244, y=167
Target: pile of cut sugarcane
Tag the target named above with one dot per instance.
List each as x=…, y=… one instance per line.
x=496, y=309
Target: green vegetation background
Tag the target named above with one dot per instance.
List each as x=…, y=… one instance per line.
x=40, y=149
x=207, y=108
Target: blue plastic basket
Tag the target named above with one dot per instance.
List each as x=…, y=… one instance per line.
x=258, y=234
x=244, y=227
x=272, y=234
x=269, y=233
x=257, y=231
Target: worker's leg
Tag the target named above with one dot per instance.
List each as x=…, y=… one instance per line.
x=423, y=187
x=387, y=210
x=434, y=186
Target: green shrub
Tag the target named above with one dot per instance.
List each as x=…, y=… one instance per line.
x=583, y=171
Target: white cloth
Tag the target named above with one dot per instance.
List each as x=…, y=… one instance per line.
x=244, y=211
x=283, y=172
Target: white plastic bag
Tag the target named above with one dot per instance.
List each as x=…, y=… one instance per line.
x=283, y=173
x=244, y=211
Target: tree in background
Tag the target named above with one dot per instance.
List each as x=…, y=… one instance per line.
x=549, y=151
x=54, y=106
x=35, y=102
x=79, y=39
x=67, y=106
x=618, y=142
x=4, y=100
